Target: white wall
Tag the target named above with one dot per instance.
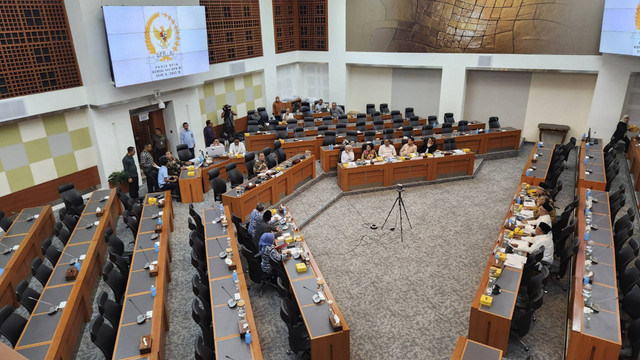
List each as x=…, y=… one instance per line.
x=416, y=88
x=368, y=85
x=288, y=80
x=504, y=94
x=560, y=99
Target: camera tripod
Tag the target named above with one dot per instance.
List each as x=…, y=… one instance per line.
x=401, y=208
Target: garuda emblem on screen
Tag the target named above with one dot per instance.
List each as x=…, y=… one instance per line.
x=162, y=36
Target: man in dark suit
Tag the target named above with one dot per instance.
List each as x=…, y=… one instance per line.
x=621, y=133
x=131, y=170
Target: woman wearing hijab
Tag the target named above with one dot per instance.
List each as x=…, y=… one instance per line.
x=269, y=252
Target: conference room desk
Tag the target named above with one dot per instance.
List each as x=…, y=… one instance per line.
x=490, y=325
x=326, y=344
x=481, y=143
x=540, y=158
x=597, y=178
x=27, y=234
x=271, y=190
x=299, y=115
x=598, y=338
x=226, y=336
x=191, y=186
x=139, y=283
x=471, y=350
x=218, y=163
x=634, y=159
x=417, y=169
x=55, y=336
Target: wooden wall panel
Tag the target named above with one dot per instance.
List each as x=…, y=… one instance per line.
x=300, y=25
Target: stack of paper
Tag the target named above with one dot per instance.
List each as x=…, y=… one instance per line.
x=515, y=261
x=529, y=203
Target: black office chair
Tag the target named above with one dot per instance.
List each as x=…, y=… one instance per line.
x=618, y=193
x=395, y=115
x=369, y=136
x=352, y=136
x=40, y=271
x=198, y=263
x=447, y=128
x=270, y=157
x=70, y=221
x=361, y=125
x=5, y=223
x=375, y=117
x=282, y=132
x=371, y=108
x=126, y=201
x=249, y=161
x=632, y=350
x=264, y=116
x=281, y=155
x=521, y=324
x=306, y=112
x=202, y=351
x=61, y=232
x=414, y=121
x=309, y=122
x=73, y=202
x=388, y=134
x=298, y=132
x=408, y=113
x=463, y=125
x=200, y=289
x=252, y=126
x=108, y=308
x=448, y=118
x=432, y=120
x=624, y=257
x=384, y=108
x=255, y=269
x=299, y=341
x=26, y=295
x=273, y=124
x=102, y=335
x=202, y=317
x=427, y=130
x=184, y=154
x=631, y=303
x=329, y=138
x=11, y=324
x=116, y=281
x=327, y=120
x=218, y=185
x=53, y=254
x=322, y=129
x=378, y=124
x=341, y=129
x=131, y=221
x=343, y=119
x=292, y=123
x=290, y=312
x=407, y=131
x=450, y=144
x=628, y=279
x=494, y=123
x=234, y=175
x=123, y=264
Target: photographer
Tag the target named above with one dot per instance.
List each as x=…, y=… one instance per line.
x=229, y=131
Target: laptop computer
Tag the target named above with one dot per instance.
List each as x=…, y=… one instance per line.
x=215, y=151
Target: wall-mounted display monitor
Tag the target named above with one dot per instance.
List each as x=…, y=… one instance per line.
x=621, y=27
x=149, y=43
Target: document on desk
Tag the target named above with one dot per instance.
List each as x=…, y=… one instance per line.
x=529, y=203
x=351, y=164
x=515, y=261
x=527, y=214
x=518, y=242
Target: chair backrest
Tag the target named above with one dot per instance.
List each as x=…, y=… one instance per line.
x=376, y=116
x=343, y=119
x=102, y=335
x=384, y=108
x=234, y=175
x=202, y=351
x=329, y=138
x=327, y=120
x=414, y=121
x=252, y=126
x=273, y=123
x=631, y=302
x=282, y=132
x=397, y=123
x=407, y=131
x=203, y=318
x=292, y=123
x=25, y=295
x=463, y=125
x=427, y=130
x=184, y=154
x=388, y=134
x=306, y=111
x=53, y=254
x=298, y=132
x=432, y=120
x=624, y=257
x=42, y=271
x=447, y=128
x=408, y=113
x=352, y=136
x=395, y=115
x=450, y=144
x=115, y=280
x=628, y=279
x=361, y=125
x=108, y=308
x=494, y=123
x=369, y=135
x=448, y=118
x=378, y=124
x=322, y=129
x=309, y=122
x=341, y=128
x=264, y=117
x=371, y=108
x=11, y=324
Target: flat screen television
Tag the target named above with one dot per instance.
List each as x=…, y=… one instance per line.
x=621, y=27
x=150, y=43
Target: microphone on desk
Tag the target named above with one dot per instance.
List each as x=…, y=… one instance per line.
x=75, y=259
x=318, y=296
x=593, y=305
x=87, y=226
x=52, y=310
x=146, y=266
x=231, y=302
x=229, y=357
x=140, y=319
x=223, y=253
x=7, y=249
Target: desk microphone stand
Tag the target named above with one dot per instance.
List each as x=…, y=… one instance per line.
x=401, y=208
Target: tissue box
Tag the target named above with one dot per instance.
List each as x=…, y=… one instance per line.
x=502, y=256
x=496, y=271
x=191, y=168
x=239, y=156
x=191, y=173
x=466, y=150
x=288, y=239
x=486, y=300
x=152, y=200
x=301, y=267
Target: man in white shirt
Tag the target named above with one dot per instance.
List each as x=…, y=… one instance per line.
x=319, y=106
x=387, y=150
x=543, y=217
x=543, y=238
x=236, y=147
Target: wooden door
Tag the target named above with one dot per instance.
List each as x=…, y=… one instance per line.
x=143, y=130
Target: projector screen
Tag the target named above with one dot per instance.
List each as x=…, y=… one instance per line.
x=621, y=27
x=149, y=43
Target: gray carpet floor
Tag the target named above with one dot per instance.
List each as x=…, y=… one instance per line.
x=406, y=299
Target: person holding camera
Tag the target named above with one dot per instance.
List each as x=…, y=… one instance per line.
x=229, y=126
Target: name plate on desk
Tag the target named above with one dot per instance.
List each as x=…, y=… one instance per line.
x=71, y=273
x=158, y=228
x=145, y=344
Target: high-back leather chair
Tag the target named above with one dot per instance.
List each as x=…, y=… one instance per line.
x=298, y=132
x=494, y=123
x=327, y=120
x=281, y=155
x=183, y=152
x=448, y=118
x=252, y=126
x=432, y=120
x=329, y=138
x=264, y=116
x=218, y=185
x=447, y=128
x=408, y=113
x=343, y=119
x=384, y=108
x=234, y=175
x=249, y=161
x=463, y=125
x=282, y=132
x=371, y=108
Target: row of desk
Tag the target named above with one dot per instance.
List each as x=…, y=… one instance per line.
x=227, y=337
x=55, y=336
x=591, y=174
x=193, y=186
x=24, y=237
x=398, y=171
x=481, y=143
x=272, y=190
x=537, y=168
x=138, y=291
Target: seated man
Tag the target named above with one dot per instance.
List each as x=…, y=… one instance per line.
x=543, y=237
x=166, y=181
x=236, y=147
x=256, y=215
x=319, y=106
x=387, y=150
x=336, y=110
x=174, y=165
x=262, y=225
x=408, y=148
x=543, y=217
x=260, y=165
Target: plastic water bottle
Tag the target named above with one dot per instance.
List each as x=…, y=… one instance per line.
x=221, y=209
x=153, y=291
x=156, y=246
x=77, y=265
x=160, y=221
x=247, y=337
x=585, y=161
x=586, y=236
x=587, y=145
x=528, y=172
x=477, y=131
x=585, y=281
x=235, y=277
x=584, y=136
x=1, y=271
x=518, y=200
x=588, y=192
x=330, y=146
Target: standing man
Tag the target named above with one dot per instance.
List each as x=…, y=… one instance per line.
x=160, y=143
x=132, y=172
x=621, y=133
x=149, y=168
x=186, y=137
x=229, y=125
x=277, y=106
x=208, y=134
x=336, y=110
